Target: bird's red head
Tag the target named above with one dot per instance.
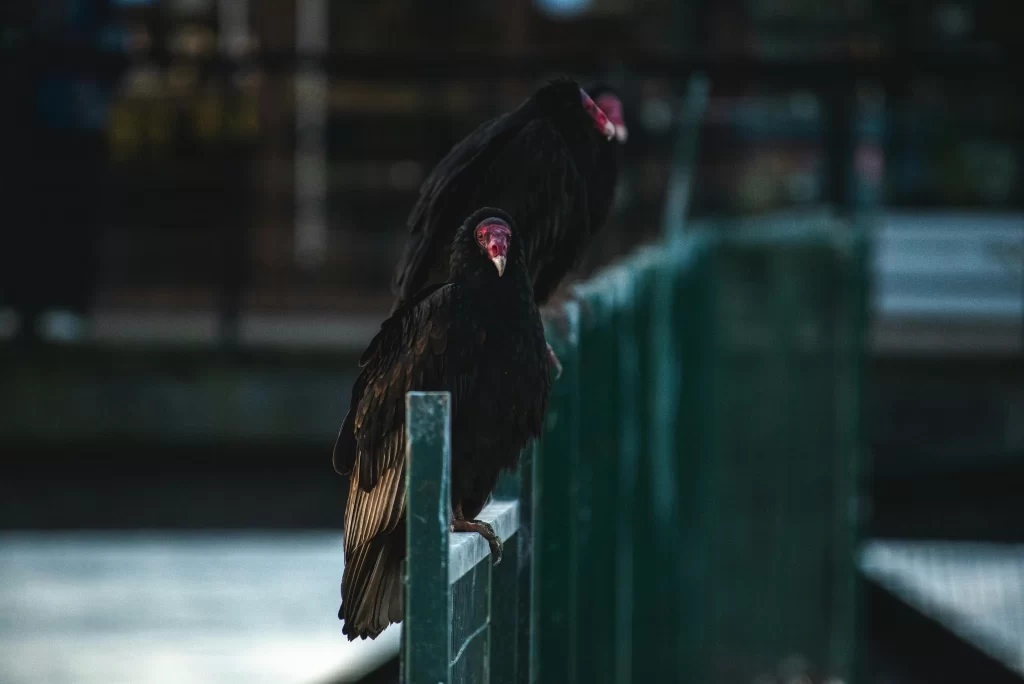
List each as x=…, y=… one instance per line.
x=612, y=107
x=493, y=236
x=601, y=122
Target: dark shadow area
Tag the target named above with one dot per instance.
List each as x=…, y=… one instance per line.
x=946, y=448
x=908, y=648
x=388, y=673
x=977, y=504
x=202, y=487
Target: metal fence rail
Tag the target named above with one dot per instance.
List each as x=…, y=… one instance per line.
x=455, y=599
x=694, y=505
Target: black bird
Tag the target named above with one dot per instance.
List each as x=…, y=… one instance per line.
x=478, y=336
x=536, y=162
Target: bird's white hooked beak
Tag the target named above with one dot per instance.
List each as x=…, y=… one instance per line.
x=601, y=121
x=612, y=106
x=493, y=235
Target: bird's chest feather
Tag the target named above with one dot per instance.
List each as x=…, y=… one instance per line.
x=505, y=364
x=511, y=363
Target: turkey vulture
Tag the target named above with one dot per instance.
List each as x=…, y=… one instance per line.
x=478, y=336
x=538, y=163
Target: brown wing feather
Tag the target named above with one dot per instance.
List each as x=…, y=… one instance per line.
x=414, y=360
x=377, y=511
x=371, y=590
x=399, y=342
x=407, y=353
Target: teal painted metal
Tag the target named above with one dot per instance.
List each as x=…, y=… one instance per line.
x=505, y=605
x=555, y=494
x=626, y=473
x=690, y=513
x=597, y=475
x=691, y=303
x=657, y=560
x=504, y=616
x=484, y=601
x=848, y=523
x=471, y=636
x=774, y=483
x=453, y=595
x=428, y=595
x=524, y=569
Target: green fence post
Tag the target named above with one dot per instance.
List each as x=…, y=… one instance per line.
x=597, y=507
x=505, y=587
x=428, y=596
x=691, y=318
x=470, y=655
x=524, y=570
x=767, y=486
x=626, y=473
x=655, y=615
x=554, y=506
x=666, y=491
x=850, y=463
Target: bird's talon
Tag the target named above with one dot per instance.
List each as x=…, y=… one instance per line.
x=485, y=530
x=496, y=549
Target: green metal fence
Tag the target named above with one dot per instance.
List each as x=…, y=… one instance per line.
x=691, y=511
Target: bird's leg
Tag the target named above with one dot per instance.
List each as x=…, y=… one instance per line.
x=555, y=363
x=555, y=314
x=460, y=524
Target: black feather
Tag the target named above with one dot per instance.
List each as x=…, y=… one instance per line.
x=478, y=336
x=535, y=162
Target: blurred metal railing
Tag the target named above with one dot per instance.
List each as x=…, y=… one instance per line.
x=694, y=506
x=455, y=600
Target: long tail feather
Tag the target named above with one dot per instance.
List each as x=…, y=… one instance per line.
x=371, y=587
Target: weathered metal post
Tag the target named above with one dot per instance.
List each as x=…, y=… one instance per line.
x=524, y=569
x=553, y=616
x=626, y=473
x=428, y=593
x=597, y=509
x=505, y=588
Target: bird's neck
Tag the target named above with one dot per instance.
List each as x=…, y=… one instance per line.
x=482, y=282
x=584, y=144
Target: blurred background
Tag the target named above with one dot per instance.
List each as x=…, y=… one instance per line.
x=203, y=202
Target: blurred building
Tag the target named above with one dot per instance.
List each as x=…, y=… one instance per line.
x=234, y=176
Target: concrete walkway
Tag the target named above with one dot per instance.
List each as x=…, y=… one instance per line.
x=974, y=589
x=167, y=608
